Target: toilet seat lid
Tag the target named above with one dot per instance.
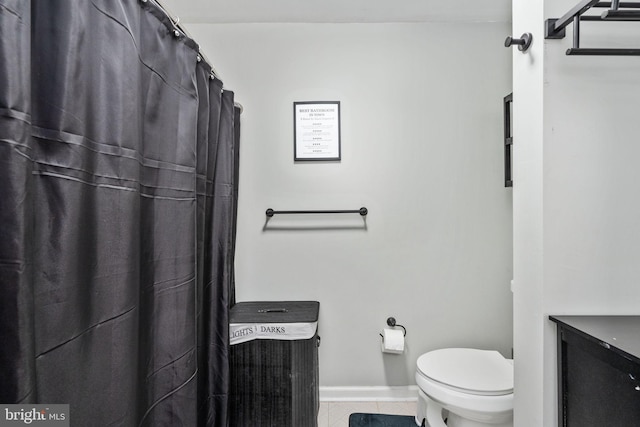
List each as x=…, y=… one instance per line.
x=470, y=370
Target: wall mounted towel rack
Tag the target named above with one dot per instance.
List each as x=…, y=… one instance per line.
x=617, y=11
x=362, y=211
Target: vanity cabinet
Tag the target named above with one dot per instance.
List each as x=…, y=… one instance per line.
x=598, y=371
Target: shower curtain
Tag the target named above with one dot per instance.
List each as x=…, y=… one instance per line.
x=118, y=199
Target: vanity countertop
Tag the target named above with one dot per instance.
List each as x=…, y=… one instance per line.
x=621, y=334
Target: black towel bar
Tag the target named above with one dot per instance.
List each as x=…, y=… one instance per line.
x=603, y=52
x=362, y=211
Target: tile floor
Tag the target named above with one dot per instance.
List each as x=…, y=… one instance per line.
x=336, y=414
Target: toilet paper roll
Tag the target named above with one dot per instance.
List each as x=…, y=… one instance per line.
x=392, y=341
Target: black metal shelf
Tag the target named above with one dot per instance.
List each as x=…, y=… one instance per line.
x=617, y=11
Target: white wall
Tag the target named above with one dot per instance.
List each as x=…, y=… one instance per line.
x=421, y=149
x=528, y=217
x=576, y=210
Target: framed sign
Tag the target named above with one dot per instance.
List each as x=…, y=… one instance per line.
x=316, y=130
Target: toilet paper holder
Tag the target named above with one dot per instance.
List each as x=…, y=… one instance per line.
x=391, y=321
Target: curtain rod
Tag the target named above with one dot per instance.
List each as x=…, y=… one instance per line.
x=175, y=22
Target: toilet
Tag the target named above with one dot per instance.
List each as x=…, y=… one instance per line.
x=467, y=387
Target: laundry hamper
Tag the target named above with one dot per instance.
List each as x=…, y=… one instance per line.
x=274, y=364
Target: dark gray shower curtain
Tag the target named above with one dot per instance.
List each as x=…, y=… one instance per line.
x=118, y=200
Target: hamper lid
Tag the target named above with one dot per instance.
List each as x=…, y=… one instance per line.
x=274, y=320
x=275, y=311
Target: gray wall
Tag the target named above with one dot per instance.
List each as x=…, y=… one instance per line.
x=421, y=148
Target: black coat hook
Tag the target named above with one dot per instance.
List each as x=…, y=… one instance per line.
x=523, y=42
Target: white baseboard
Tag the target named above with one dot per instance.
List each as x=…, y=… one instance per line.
x=368, y=394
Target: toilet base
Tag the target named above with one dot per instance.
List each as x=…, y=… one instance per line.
x=457, y=421
x=453, y=420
